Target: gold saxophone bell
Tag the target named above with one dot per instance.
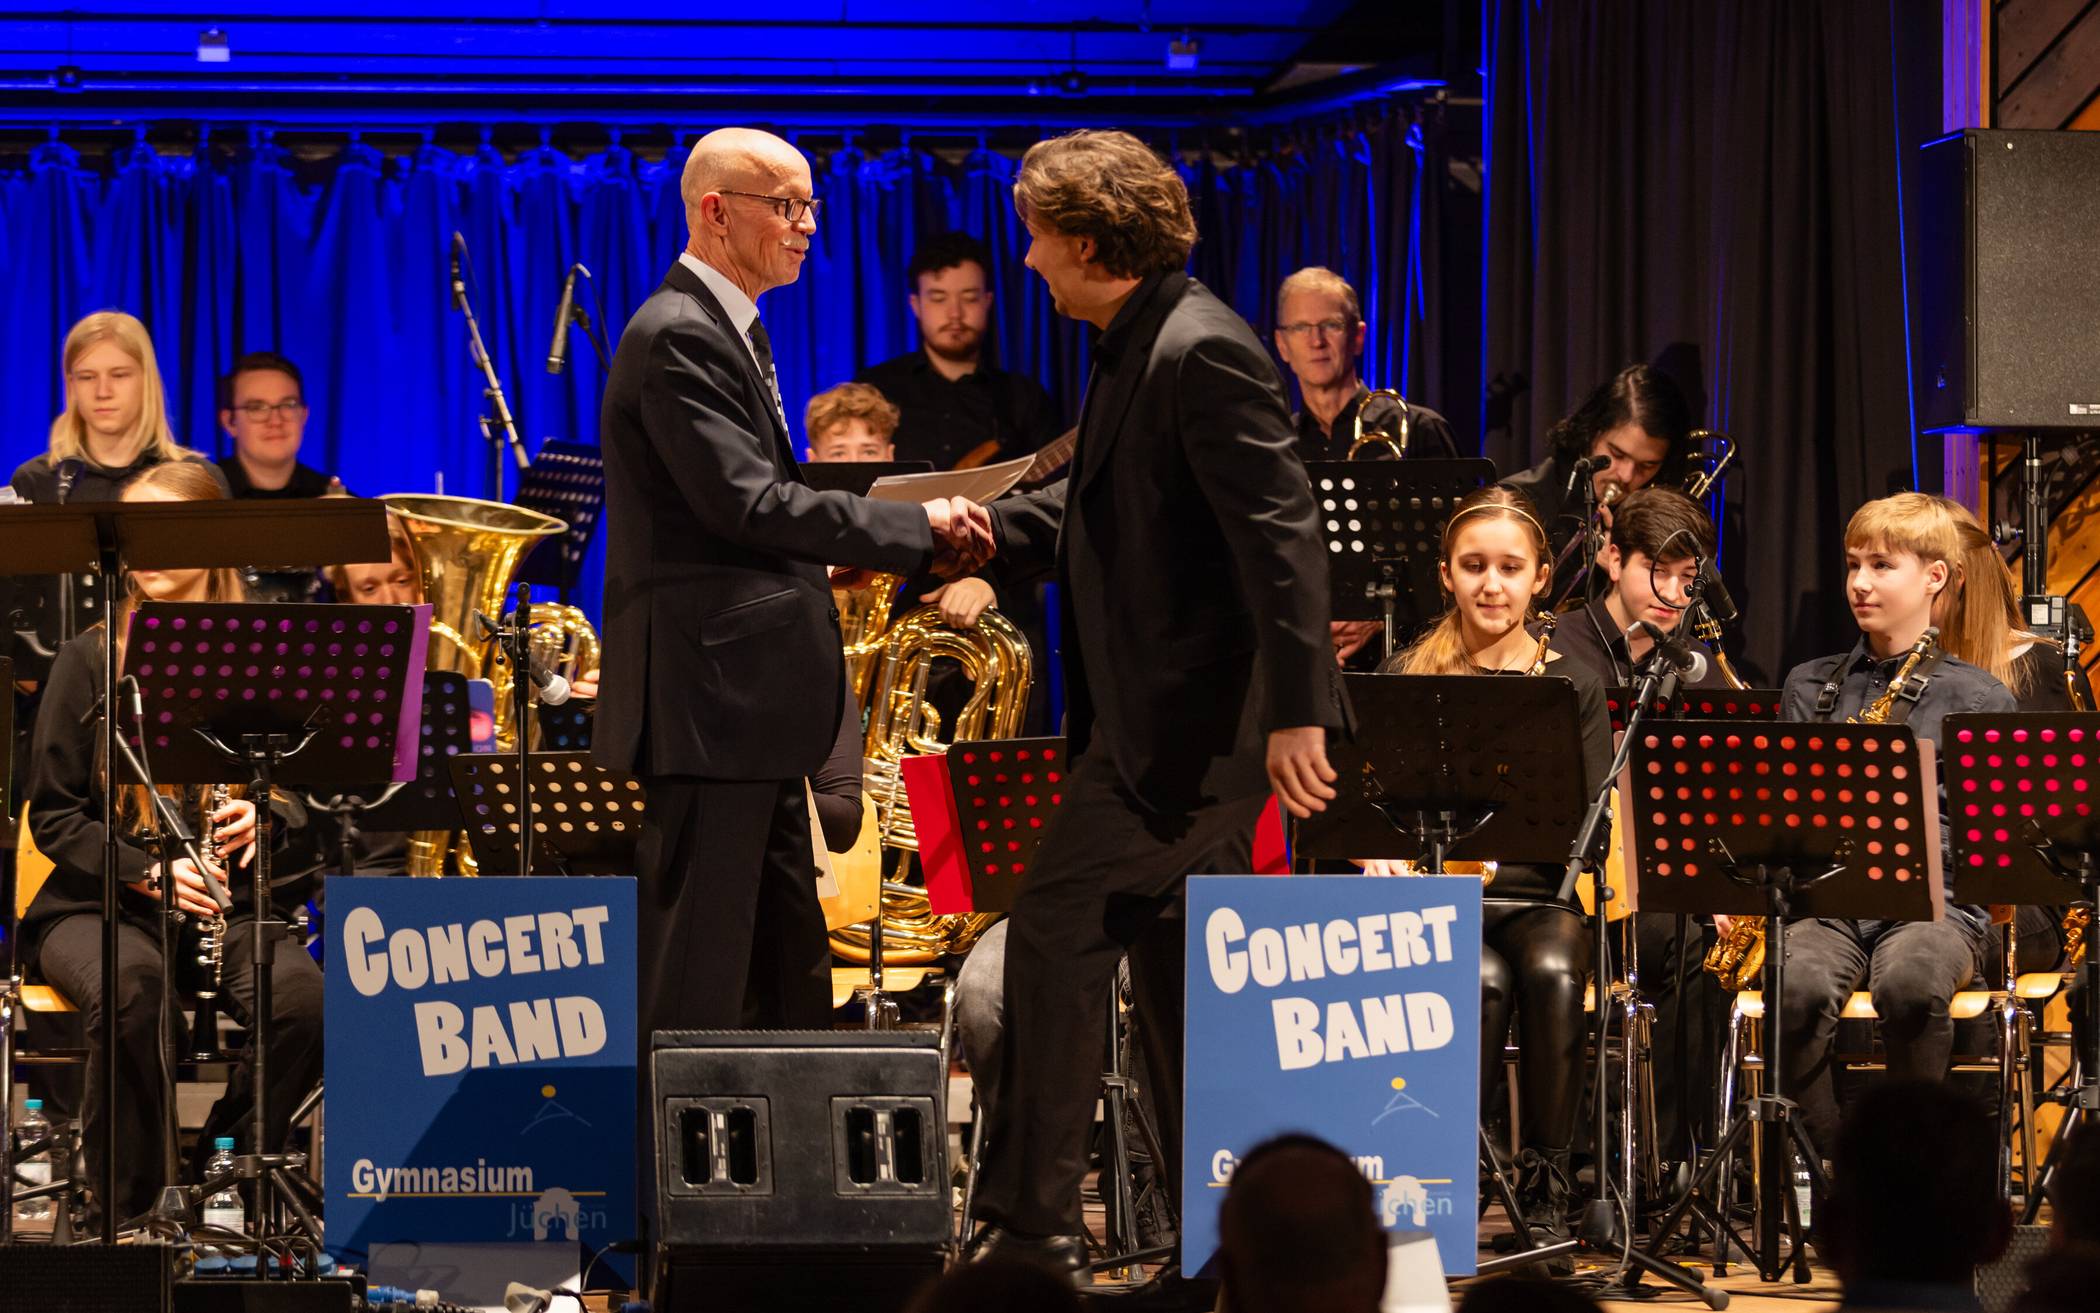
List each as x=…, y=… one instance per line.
x=2077, y=925
x=467, y=552
x=996, y=661
x=1877, y=711
x=1738, y=956
x=1396, y=444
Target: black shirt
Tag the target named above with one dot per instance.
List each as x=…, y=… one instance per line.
x=2042, y=671
x=1527, y=880
x=1593, y=638
x=306, y=481
x=1428, y=433
x=944, y=421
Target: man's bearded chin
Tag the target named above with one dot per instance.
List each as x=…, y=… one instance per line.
x=948, y=348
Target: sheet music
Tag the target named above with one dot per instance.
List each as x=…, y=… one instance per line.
x=827, y=880
x=980, y=485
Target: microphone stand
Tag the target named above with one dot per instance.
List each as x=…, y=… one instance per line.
x=498, y=415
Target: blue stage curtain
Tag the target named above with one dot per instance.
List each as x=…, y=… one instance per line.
x=342, y=264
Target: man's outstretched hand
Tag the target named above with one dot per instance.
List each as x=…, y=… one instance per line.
x=962, y=536
x=1298, y=769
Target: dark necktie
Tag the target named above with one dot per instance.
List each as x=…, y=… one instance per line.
x=762, y=347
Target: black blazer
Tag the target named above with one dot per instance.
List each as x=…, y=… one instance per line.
x=722, y=650
x=1194, y=585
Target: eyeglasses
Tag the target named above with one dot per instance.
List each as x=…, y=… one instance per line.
x=259, y=411
x=1322, y=327
x=791, y=208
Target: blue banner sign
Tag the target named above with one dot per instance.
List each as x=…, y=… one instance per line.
x=1342, y=1007
x=480, y=1061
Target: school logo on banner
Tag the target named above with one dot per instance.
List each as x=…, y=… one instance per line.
x=1342, y=1007
x=480, y=1061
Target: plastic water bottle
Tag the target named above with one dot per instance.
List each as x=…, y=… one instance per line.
x=34, y=1214
x=224, y=1208
x=1803, y=1184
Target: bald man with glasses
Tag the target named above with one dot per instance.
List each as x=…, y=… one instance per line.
x=719, y=621
x=1320, y=335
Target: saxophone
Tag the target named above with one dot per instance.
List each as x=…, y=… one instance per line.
x=2078, y=919
x=1738, y=956
x=1877, y=711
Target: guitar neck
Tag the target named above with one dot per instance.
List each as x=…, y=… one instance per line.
x=1054, y=455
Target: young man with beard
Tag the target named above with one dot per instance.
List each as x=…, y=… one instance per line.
x=957, y=408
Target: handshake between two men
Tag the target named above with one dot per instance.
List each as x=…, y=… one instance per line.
x=962, y=543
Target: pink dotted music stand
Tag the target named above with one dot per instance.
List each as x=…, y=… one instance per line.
x=1698, y=704
x=331, y=680
x=2017, y=783
x=979, y=812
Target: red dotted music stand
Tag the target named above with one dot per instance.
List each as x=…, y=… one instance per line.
x=2015, y=782
x=1779, y=821
x=1704, y=796
x=1698, y=704
x=979, y=812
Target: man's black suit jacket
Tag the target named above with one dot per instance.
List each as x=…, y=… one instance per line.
x=722, y=653
x=1194, y=584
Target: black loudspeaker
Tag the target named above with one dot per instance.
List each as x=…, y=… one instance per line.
x=804, y=1169
x=2001, y=1282
x=2009, y=282
x=85, y=1278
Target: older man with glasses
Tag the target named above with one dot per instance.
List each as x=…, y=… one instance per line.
x=1320, y=336
x=262, y=405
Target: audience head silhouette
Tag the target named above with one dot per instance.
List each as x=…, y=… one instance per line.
x=1299, y=1232
x=1004, y=1284
x=1914, y=1196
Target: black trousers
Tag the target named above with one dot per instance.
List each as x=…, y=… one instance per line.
x=1911, y=968
x=69, y=957
x=1533, y=960
x=1107, y=868
x=729, y=932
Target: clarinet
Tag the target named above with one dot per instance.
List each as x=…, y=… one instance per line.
x=211, y=933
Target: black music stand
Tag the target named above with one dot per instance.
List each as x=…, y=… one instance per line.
x=107, y=538
x=2023, y=798
x=567, y=727
x=1382, y=523
x=1779, y=821
x=586, y=819
x=567, y=481
x=1447, y=767
x=425, y=802
x=857, y=476
x=1698, y=704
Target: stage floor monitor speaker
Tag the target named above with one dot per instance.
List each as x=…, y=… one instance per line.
x=2008, y=282
x=85, y=1278
x=803, y=1169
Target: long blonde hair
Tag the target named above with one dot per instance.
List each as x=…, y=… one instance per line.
x=1442, y=650
x=1981, y=621
x=149, y=431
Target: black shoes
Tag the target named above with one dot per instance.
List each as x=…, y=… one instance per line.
x=1542, y=1193
x=1062, y=1254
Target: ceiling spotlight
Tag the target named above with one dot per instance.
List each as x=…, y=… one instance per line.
x=66, y=77
x=1182, y=54
x=1071, y=82
x=212, y=47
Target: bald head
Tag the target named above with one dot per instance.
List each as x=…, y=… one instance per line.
x=733, y=222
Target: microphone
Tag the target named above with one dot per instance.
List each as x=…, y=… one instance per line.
x=68, y=475
x=558, y=351
x=553, y=687
x=133, y=702
x=1586, y=466
x=1714, y=593
x=1682, y=658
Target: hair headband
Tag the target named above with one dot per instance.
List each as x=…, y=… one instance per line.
x=1495, y=506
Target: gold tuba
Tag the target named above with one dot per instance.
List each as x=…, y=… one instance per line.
x=466, y=553
x=995, y=660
